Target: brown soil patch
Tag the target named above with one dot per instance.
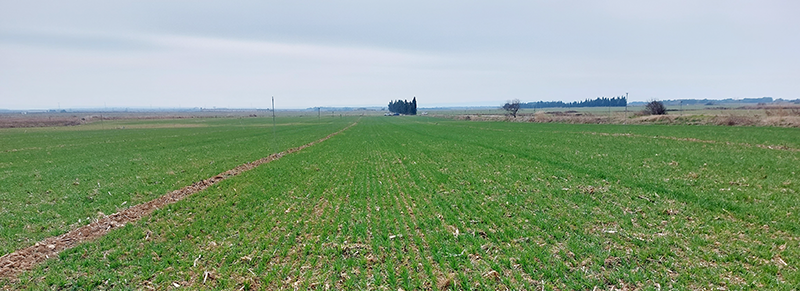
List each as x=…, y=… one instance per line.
x=50, y=119
x=27, y=258
x=23, y=121
x=785, y=118
x=154, y=126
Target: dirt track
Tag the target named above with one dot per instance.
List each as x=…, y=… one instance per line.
x=27, y=258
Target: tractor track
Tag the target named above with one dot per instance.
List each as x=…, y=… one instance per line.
x=27, y=258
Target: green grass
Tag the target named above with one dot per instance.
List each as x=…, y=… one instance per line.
x=55, y=179
x=416, y=202
x=772, y=136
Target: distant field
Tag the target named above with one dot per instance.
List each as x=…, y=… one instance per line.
x=743, y=108
x=49, y=119
x=418, y=203
x=784, y=115
x=57, y=178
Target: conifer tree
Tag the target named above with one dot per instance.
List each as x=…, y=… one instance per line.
x=404, y=107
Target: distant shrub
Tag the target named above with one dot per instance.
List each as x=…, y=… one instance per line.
x=735, y=120
x=782, y=111
x=512, y=107
x=655, y=107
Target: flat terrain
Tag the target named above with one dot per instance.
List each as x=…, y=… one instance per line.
x=778, y=115
x=414, y=202
x=57, y=178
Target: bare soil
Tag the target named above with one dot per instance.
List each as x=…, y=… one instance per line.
x=19, y=120
x=27, y=258
x=782, y=117
x=50, y=119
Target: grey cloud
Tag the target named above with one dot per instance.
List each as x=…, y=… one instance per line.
x=362, y=52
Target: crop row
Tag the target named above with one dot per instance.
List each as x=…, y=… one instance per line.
x=55, y=179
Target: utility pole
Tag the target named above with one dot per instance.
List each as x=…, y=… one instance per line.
x=626, y=105
x=274, y=135
x=319, y=113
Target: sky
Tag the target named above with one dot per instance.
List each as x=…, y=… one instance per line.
x=239, y=54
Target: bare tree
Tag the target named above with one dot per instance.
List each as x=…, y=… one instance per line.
x=512, y=107
x=655, y=107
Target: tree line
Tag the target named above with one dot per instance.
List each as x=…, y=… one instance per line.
x=404, y=107
x=599, y=102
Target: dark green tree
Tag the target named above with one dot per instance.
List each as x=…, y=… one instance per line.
x=403, y=107
x=620, y=101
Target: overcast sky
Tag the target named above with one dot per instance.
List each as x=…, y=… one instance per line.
x=364, y=53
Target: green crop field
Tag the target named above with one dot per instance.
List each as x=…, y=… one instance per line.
x=413, y=203
x=54, y=179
